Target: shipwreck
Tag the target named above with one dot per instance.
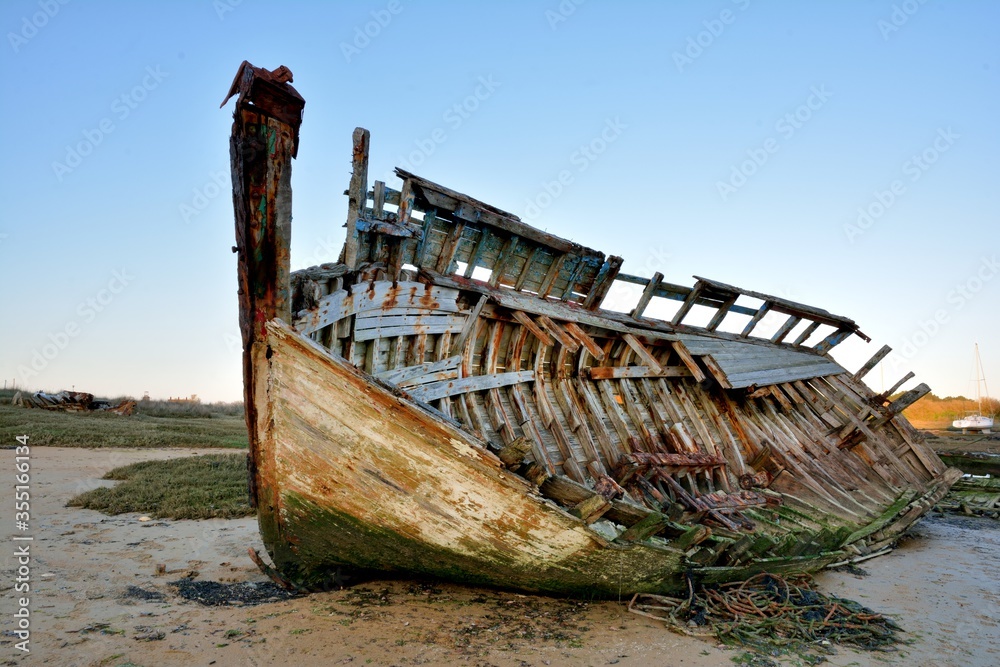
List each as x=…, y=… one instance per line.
x=449, y=399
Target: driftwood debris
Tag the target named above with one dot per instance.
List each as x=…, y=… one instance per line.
x=72, y=401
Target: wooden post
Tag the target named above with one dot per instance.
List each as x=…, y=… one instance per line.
x=357, y=194
x=264, y=140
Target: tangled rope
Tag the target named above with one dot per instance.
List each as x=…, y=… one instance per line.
x=768, y=611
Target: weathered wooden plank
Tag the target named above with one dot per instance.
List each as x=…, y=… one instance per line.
x=507, y=253
x=436, y=390
x=378, y=200
x=740, y=380
x=634, y=372
x=688, y=360
x=383, y=294
x=602, y=283
x=406, y=204
x=574, y=276
x=808, y=331
x=445, y=325
x=689, y=303
x=871, y=363
x=717, y=371
x=470, y=324
x=398, y=375
x=551, y=275
x=376, y=320
x=785, y=328
x=525, y=320
x=477, y=254
x=757, y=317
x=581, y=336
x=526, y=269
x=720, y=314
x=644, y=354
x=558, y=333
x=831, y=341
x=420, y=252
x=647, y=294
x=891, y=390
x=447, y=255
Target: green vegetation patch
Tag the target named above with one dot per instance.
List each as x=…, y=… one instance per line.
x=196, y=487
x=155, y=424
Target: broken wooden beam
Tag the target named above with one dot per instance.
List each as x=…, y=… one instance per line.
x=602, y=283
x=871, y=363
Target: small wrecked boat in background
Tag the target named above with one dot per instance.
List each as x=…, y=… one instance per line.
x=450, y=399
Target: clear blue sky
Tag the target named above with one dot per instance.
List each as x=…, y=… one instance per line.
x=740, y=140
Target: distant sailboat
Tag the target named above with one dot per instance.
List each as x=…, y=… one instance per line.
x=978, y=421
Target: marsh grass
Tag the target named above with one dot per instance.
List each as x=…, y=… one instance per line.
x=196, y=487
x=155, y=424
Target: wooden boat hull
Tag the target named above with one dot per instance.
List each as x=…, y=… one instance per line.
x=405, y=416
x=367, y=479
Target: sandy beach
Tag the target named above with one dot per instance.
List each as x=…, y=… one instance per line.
x=97, y=599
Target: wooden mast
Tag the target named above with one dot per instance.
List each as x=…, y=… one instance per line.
x=264, y=140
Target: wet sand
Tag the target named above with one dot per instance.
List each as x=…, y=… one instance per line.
x=942, y=585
